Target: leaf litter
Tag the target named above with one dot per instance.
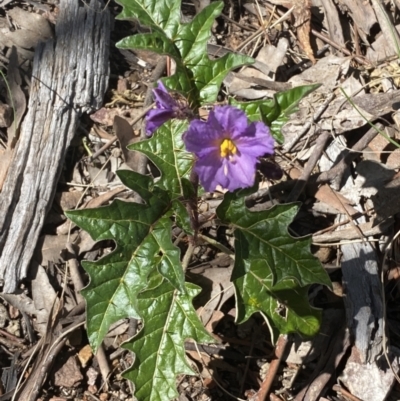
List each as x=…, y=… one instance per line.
x=301, y=48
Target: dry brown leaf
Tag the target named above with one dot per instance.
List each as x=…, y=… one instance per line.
x=216, y=285
x=49, y=248
x=124, y=132
x=85, y=242
x=302, y=22
x=69, y=374
x=363, y=16
x=216, y=317
x=104, y=198
x=68, y=199
x=302, y=15
x=5, y=115
x=204, y=360
x=105, y=116
x=272, y=57
x=85, y=355
x=334, y=199
x=33, y=28
x=96, y=202
x=43, y=295
x=381, y=48
x=25, y=304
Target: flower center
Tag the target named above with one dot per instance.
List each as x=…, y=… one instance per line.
x=227, y=148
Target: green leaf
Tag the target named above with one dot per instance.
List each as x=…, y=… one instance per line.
x=263, y=236
x=139, y=183
x=196, y=77
x=169, y=264
x=142, y=233
x=182, y=217
x=209, y=74
x=169, y=319
x=156, y=42
x=192, y=37
x=275, y=112
x=269, y=263
x=161, y=15
x=167, y=151
x=286, y=304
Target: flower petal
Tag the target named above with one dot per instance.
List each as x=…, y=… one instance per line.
x=163, y=99
x=232, y=120
x=155, y=118
x=256, y=141
x=210, y=169
x=235, y=167
x=241, y=172
x=202, y=138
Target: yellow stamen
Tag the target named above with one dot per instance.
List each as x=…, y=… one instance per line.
x=227, y=148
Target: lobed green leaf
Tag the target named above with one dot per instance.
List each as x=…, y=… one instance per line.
x=157, y=42
x=142, y=233
x=269, y=263
x=192, y=37
x=275, y=112
x=169, y=319
x=167, y=151
x=286, y=304
x=196, y=77
x=160, y=15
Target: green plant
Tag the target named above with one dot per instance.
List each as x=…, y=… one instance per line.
x=143, y=277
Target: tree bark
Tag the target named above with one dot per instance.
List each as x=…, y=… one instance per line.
x=69, y=77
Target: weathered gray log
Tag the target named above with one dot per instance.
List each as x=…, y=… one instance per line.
x=363, y=300
x=70, y=75
x=365, y=374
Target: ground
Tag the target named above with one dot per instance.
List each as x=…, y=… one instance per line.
x=339, y=159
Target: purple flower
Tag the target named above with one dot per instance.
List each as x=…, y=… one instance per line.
x=227, y=148
x=166, y=108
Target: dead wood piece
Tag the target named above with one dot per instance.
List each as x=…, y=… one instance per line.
x=369, y=381
x=70, y=75
x=17, y=99
x=273, y=368
x=363, y=300
x=362, y=14
x=48, y=349
x=387, y=26
x=302, y=181
x=342, y=391
x=334, y=26
x=276, y=86
x=351, y=233
x=378, y=104
x=335, y=343
x=336, y=173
